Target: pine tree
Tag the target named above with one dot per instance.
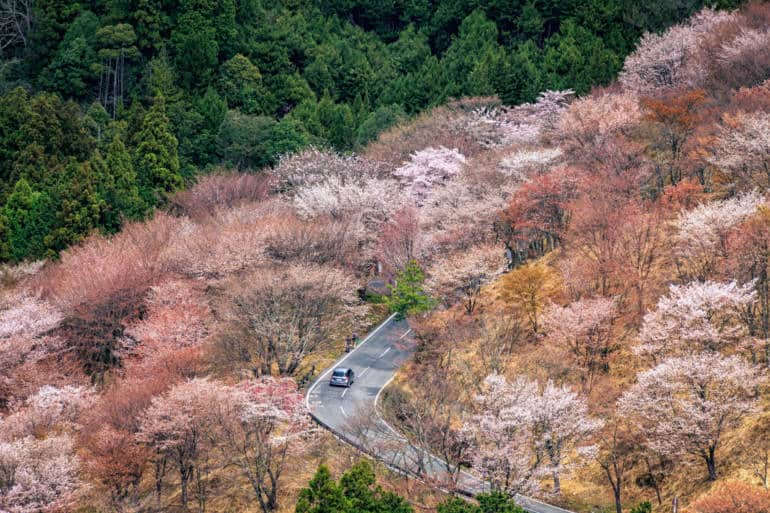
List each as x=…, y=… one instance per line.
x=25, y=220
x=118, y=186
x=407, y=296
x=79, y=210
x=322, y=495
x=156, y=157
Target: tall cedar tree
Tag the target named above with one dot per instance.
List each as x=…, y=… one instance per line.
x=156, y=157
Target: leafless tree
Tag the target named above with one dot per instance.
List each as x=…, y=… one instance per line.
x=15, y=22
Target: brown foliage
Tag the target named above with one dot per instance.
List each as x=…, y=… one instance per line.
x=752, y=99
x=219, y=190
x=735, y=53
x=322, y=241
x=89, y=275
x=397, y=243
x=734, y=497
x=95, y=332
x=442, y=126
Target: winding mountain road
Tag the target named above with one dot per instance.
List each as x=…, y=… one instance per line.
x=351, y=413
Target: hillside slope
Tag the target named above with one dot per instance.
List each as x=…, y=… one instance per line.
x=622, y=340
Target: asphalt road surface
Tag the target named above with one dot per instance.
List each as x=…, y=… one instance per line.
x=351, y=414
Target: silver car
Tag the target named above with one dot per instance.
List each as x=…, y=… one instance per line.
x=342, y=377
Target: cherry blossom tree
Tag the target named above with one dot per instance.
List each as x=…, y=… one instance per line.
x=25, y=315
x=272, y=426
x=39, y=475
x=666, y=61
x=696, y=316
x=373, y=199
x=684, y=405
x=742, y=149
x=218, y=246
x=313, y=166
x=279, y=316
x=738, y=59
x=560, y=425
x=427, y=169
x=255, y=426
x=461, y=214
x=520, y=125
x=502, y=453
x=702, y=233
x=461, y=276
x=180, y=427
x=520, y=163
x=591, y=122
x=526, y=432
x=585, y=329
x=49, y=407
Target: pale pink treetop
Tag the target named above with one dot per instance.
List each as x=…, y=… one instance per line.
x=520, y=163
x=591, y=121
x=666, y=61
x=699, y=315
x=551, y=423
x=464, y=209
x=585, y=318
x=312, y=166
x=748, y=41
x=526, y=123
x=743, y=146
x=427, y=169
x=39, y=475
x=702, y=231
x=49, y=407
x=371, y=198
x=685, y=404
x=26, y=315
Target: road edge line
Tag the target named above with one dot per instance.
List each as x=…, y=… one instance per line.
x=344, y=357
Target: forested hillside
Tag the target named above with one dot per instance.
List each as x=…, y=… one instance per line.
x=585, y=276
x=108, y=106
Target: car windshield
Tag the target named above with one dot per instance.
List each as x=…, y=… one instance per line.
x=339, y=373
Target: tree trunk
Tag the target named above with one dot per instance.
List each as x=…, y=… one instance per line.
x=556, y=482
x=711, y=463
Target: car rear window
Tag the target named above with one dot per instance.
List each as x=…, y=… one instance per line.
x=339, y=373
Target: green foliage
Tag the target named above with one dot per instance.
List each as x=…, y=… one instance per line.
x=642, y=507
x=156, y=158
x=407, y=297
x=26, y=219
x=493, y=502
x=117, y=186
x=252, y=142
x=75, y=61
x=244, y=81
x=79, y=207
x=379, y=121
x=356, y=492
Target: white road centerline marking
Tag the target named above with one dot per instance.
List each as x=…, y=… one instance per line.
x=384, y=353
x=405, y=334
x=344, y=392
x=364, y=371
x=343, y=411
